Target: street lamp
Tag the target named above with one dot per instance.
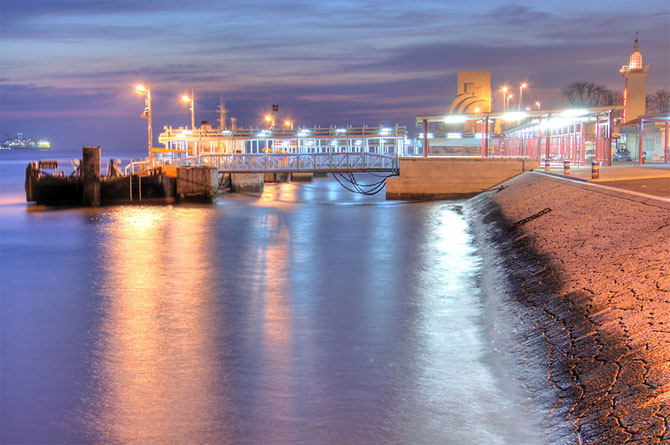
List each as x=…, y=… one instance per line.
x=522, y=85
x=504, y=91
x=538, y=104
x=288, y=124
x=509, y=96
x=146, y=90
x=187, y=98
x=270, y=120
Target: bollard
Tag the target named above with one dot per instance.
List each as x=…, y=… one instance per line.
x=566, y=167
x=595, y=170
x=547, y=165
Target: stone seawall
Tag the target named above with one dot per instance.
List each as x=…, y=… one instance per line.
x=591, y=282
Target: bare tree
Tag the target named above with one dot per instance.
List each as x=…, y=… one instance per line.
x=659, y=102
x=589, y=94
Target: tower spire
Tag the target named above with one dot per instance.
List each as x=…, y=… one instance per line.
x=636, y=45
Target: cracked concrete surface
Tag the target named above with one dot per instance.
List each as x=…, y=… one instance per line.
x=593, y=277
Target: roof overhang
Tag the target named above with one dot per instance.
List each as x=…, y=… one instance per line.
x=514, y=115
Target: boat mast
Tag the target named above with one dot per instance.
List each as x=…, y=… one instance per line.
x=222, y=114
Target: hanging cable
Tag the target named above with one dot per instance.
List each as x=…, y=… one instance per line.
x=356, y=187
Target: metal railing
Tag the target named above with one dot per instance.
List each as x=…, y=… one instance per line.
x=298, y=162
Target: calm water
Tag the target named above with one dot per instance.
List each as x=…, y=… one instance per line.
x=310, y=315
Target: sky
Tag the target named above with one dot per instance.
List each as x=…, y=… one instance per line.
x=68, y=68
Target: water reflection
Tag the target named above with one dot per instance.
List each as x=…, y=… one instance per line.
x=154, y=349
x=271, y=398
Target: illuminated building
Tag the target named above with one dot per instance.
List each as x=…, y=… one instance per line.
x=634, y=95
x=473, y=93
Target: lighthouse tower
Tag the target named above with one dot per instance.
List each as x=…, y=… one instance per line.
x=634, y=96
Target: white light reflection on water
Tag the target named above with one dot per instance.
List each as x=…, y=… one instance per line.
x=449, y=379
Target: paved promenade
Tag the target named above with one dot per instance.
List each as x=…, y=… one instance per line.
x=592, y=275
x=651, y=179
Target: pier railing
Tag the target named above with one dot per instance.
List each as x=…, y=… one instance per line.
x=298, y=162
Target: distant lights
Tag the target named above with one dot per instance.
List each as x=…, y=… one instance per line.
x=575, y=112
x=454, y=135
x=340, y=130
x=455, y=119
x=226, y=133
x=557, y=122
x=514, y=116
x=430, y=135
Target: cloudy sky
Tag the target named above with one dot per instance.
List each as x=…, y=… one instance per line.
x=68, y=67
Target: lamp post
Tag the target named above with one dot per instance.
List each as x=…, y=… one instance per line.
x=522, y=85
x=187, y=98
x=538, y=104
x=504, y=91
x=509, y=96
x=146, y=90
x=288, y=124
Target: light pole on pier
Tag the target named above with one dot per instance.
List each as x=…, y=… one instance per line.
x=522, y=85
x=141, y=89
x=191, y=98
x=504, y=91
x=509, y=96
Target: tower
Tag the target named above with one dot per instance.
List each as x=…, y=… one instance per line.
x=634, y=95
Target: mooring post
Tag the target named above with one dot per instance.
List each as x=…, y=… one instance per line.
x=91, y=176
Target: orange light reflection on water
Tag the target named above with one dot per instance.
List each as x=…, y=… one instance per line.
x=156, y=348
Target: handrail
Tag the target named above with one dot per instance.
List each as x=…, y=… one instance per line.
x=297, y=162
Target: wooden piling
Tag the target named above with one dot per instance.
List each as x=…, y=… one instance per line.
x=91, y=176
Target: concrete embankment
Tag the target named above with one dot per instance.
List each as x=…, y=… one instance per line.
x=590, y=283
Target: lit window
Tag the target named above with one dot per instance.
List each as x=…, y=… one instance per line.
x=636, y=61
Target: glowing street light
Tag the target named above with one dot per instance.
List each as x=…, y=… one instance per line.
x=522, y=85
x=538, y=104
x=288, y=124
x=504, y=90
x=146, y=90
x=186, y=98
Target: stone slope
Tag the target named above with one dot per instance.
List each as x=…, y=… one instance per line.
x=592, y=275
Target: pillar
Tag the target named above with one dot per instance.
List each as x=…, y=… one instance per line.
x=485, y=137
x=425, y=138
x=641, y=143
x=665, y=149
x=608, y=141
x=90, y=176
